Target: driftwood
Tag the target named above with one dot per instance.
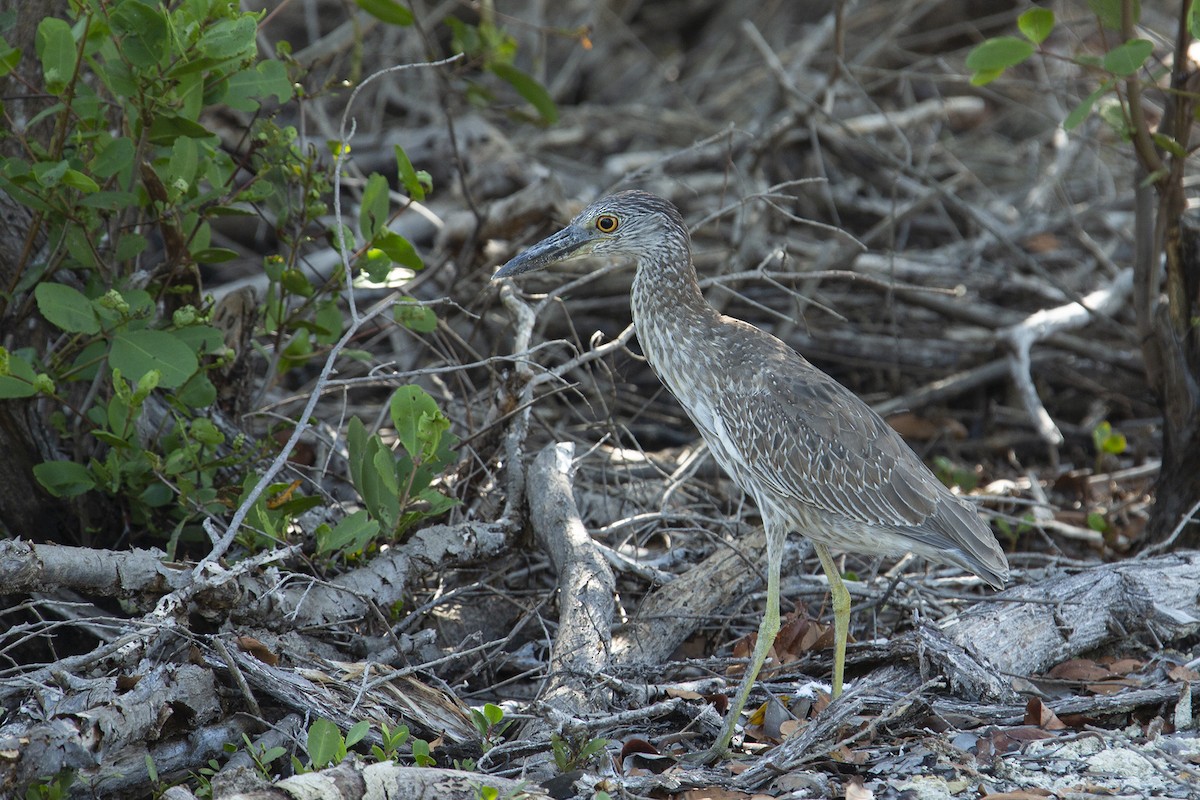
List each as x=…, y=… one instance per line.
x=357, y=781
x=586, y=587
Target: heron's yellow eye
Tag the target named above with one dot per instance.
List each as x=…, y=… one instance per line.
x=607, y=223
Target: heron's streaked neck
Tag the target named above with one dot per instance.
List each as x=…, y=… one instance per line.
x=666, y=301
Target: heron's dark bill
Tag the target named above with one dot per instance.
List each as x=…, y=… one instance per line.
x=570, y=242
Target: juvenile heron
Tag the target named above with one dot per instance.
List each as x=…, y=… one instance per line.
x=815, y=458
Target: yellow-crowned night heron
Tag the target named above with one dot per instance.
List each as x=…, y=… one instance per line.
x=813, y=456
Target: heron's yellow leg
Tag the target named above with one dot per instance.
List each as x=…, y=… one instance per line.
x=766, y=637
x=840, y=598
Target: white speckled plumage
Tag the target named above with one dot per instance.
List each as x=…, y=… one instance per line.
x=814, y=457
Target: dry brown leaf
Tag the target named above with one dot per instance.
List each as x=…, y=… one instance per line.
x=1081, y=670
x=1020, y=794
x=914, y=426
x=1125, y=666
x=1042, y=243
x=248, y=644
x=1182, y=674
x=1037, y=714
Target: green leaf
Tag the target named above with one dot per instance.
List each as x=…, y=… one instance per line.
x=357, y=732
x=114, y=157
x=998, y=54
x=57, y=50
x=1036, y=24
x=183, y=163
x=50, y=173
x=230, y=39
x=1109, y=12
x=214, y=255
x=388, y=11
x=166, y=128
x=16, y=376
x=324, y=743
x=985, y=76
x=66, y=308
x=408, y=176
x=9, y=57
x=373, y=213
x=1169, y=144
x=351, y=535
x=417, y=318
x=64, y=478
x=1129, y=57
x=399, y=250
x=143, y=32
x=1080, y=112
x=407, y=407
x=137, y=352
x=77, y=180
x=531, y=90
x=246, y=88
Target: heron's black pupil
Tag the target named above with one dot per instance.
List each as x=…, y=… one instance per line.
x=607, y=224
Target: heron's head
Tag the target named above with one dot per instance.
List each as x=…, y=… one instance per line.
x=636, y=224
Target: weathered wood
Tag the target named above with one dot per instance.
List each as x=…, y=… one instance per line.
x=585, y=586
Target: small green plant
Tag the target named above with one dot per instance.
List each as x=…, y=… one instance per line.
x=326, y=745
x=1023, y=526
x=1107, y=442
x=421, y=754
x=261, y=755
x=393, y=740
x=203, y=778
x=396, y=488
x=951, y=474
x=1097, y=522
x=575, y=753
x=490, y=723
x=55, y=787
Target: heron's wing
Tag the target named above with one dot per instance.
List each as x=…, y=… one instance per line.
x=805, y=436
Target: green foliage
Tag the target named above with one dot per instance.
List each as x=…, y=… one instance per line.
x=992, y=57
x=952, y=474
x=121, y=159
x=494, y=49
x=55, y=787
x=1023, y=526
x=1036, y=24
x=387, y=10
x=421, y=754
x=326, y=745
x=490, y=723
x=396, y=488
x=1107, y=441
x=575, y=753
x=393, y=740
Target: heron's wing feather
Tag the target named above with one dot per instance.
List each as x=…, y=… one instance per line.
x=805, y=436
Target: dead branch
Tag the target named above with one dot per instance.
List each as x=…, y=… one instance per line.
x=585, y=584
